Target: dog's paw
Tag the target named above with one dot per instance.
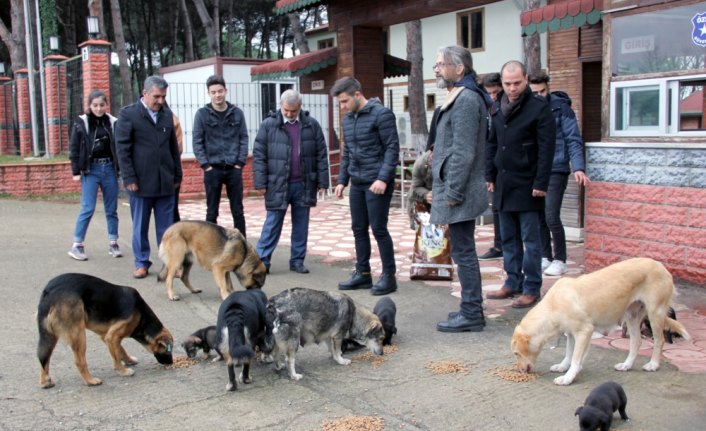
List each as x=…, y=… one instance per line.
x=650, y=366
x=279, y=365
x=216, y=359
x=343, y=361
x=244, y=380
x=174, y=298
x=296, y=376
x=126, y=372
x=231, y=387
x=558, y=368
x=131, y=360
x=563, y=380
x=48, y=383
x=93, y=381
x=267, y=358
x=623, y=366
x=196, y=291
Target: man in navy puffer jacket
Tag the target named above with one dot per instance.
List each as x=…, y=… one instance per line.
x=568, y=157
x=368, y=162
x=290, y=164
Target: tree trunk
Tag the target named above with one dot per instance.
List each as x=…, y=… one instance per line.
x=208, y=26
x=15, y=40
x=415, y=86
x=119, y=47
x=530, y=44
x=188, y=32
x=229, y=30
x=298, y=32
x=217, y=24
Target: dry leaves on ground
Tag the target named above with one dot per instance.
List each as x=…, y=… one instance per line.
x=354, y=423
x=446, y=367
x=181, y=362
x=375, y=360
x=512, y=374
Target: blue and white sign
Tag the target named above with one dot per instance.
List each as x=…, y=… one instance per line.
x=698, y=35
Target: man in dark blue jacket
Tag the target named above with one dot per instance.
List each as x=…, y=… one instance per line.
x=370, y=156
x=150, y=165
x=568, y=155
x=220, y=139
x=290, y=164
x=519, y=163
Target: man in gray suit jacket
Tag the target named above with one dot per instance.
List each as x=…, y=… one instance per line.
x=459, y=192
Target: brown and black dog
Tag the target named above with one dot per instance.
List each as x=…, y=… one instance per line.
x=216, y=249
x=72, y=303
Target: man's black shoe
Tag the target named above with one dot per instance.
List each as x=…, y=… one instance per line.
x=299, y=268
x=386, y=284
x=358, y=280
x=461, y=323
x=493, y=253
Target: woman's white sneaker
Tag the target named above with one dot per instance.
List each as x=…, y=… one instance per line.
x=556, y=268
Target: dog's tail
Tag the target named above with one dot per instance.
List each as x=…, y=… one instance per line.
x=672, y=325
x=242, y=353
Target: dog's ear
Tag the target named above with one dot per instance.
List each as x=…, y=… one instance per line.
x=578, y=411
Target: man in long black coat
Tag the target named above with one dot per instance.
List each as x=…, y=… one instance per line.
x=151, y=166
x=519, y=164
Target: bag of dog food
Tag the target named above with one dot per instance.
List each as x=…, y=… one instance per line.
x=431, y=258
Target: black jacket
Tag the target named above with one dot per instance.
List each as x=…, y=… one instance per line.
x=520, y=153
x=371, y=145
x=272, y=155
x=148, y=152
x=220, y=140
x=81, y=144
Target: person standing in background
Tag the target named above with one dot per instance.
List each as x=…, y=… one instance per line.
x=151, y=166
x=568, y=156
x=94, y=162
x=220, y=139
x=370, y=157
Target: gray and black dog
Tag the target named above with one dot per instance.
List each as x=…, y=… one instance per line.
x=597, y=411
x=386, y=310
x=301, y=316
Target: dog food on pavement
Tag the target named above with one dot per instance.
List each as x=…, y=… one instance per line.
x=512, y=374
x=358, y=423
x=446, y=367
x=181, y=362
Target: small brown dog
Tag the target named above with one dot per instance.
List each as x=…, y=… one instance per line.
x=216, y=249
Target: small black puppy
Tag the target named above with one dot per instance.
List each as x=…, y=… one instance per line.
x=205, y=339
x=386, y=310
x=241, y=327
x=597, y=411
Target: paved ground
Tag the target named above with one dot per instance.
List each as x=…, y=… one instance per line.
x=35, y=236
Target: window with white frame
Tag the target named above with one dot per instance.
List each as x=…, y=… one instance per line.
x=658, y=69
x=656, y=107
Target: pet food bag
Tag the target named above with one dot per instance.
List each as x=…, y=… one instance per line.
x=431, y=258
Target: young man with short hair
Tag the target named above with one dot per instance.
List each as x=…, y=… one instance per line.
x=220, y=139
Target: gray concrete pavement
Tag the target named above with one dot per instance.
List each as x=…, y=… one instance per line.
x=34, y=239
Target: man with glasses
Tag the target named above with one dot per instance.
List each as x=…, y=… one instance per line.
x=220, y=139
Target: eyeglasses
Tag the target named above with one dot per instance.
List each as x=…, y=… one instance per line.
x=440, y=65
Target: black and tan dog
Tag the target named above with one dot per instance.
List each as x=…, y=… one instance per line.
x=72, y=303
x=216, y=249
x=302, y=316
x=241, y=327
x=597, y=411
x=204, y=339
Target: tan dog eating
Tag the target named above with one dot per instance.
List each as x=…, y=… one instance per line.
x=626, y=290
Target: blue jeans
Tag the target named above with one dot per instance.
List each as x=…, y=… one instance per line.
x=523, y=265
x=370, y=211
x=550, y=219
x=101, y=176
x=272, y=229
x=141, y=209
x=463, y=252
x=232, y=178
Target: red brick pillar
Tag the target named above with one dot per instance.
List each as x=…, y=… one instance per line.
x=7, y=129
x=24, y=118
x=57, y=128
x=96, y=68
